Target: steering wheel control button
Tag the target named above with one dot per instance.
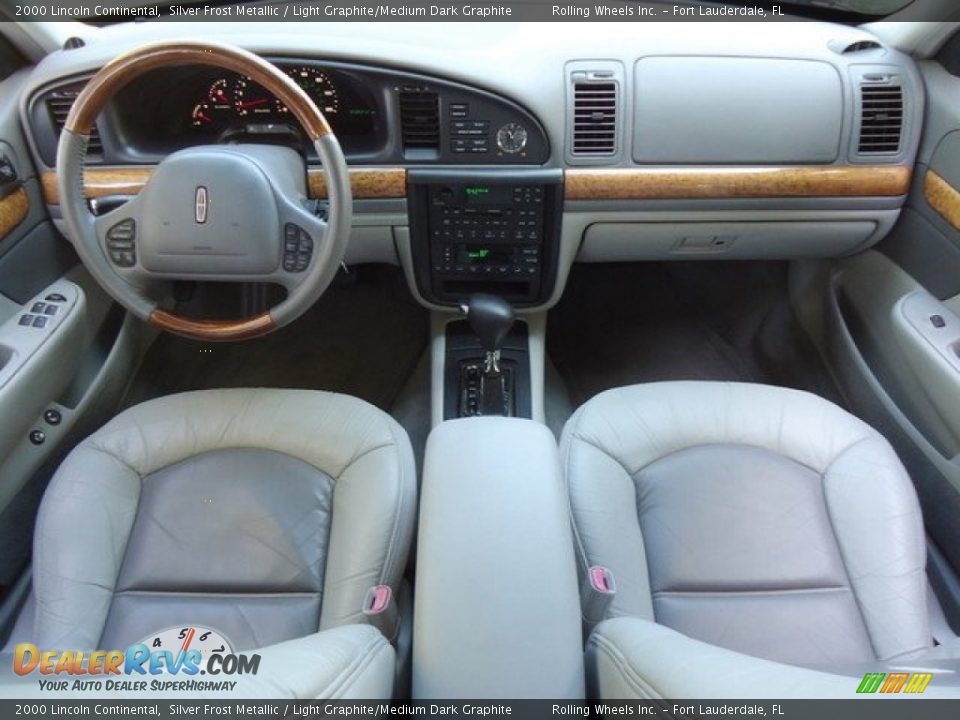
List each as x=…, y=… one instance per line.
x=52, y=416
x=297, y=248
x=121, y=243
x=38, y=437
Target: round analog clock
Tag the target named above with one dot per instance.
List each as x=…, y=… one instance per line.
x=512, y=138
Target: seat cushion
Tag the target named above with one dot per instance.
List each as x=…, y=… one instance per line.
x=630, y=658
x=264, y=514
x=759, y=519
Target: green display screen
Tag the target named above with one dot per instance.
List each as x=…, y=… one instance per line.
x=476, y=191
x=478, y=254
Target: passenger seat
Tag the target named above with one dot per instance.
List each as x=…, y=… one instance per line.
x=762, y=542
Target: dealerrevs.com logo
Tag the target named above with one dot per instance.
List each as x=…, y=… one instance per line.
x=171, y=660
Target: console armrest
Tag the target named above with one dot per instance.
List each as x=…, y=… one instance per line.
x=497, y=603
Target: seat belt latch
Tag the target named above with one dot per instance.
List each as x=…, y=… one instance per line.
x=381, y=611
x=596, y=595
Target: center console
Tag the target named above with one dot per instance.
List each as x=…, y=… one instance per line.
x=493, y=232
x=498, y=600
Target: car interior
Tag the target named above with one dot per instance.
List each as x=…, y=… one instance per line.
x=486, y=360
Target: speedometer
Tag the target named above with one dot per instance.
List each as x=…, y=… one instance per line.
x=250, y=100
x=318, y=86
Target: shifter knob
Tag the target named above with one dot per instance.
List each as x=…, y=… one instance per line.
x=491, y=318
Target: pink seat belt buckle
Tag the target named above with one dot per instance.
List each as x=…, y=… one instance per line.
x=602, y=580
x=378, y=600
x=597, y=592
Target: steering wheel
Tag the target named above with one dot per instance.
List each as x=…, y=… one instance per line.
x=210, y=212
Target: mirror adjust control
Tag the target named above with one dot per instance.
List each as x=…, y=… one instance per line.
x=297, y=248
x=121, y=243
x=55, y=297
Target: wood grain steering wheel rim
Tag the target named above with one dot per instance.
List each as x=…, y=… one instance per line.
x=93, y=99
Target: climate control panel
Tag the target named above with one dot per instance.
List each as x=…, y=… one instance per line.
x=485, y=232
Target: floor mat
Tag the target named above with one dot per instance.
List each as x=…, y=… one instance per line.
x=363, y=338
x=624, y=324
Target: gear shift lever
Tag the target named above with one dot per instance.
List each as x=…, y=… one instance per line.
x=485, y=389
x=491, y=318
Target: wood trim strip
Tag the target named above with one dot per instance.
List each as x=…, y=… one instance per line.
x=734, y=182
x=214, y=330
x=367, y=183
x=13, y=211
x=942, y=197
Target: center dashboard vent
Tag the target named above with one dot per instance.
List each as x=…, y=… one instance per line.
x=420, y=119
x=58, y=105
x=881, y=117
x=594, y=122
x=861, y=46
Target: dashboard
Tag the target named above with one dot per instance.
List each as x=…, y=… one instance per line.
x=505, y=153
x=378, y=115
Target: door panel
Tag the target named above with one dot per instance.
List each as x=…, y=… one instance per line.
x=58, y=381
x=891, y=329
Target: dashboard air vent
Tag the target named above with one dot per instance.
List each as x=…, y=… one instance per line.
x=59, y=103
x=420, y=120
x=881, y=118
x=861, y=46
x=594, y=118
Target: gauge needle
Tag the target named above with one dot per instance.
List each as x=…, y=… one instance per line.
x=252, y=103
x=187, y=640
x=203, y=117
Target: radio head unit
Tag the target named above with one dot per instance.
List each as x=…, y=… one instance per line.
x=494, y=232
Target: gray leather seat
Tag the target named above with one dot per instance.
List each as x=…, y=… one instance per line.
x=743, y=524
x=265, y=514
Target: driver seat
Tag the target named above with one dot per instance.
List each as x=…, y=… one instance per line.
x=267, y=515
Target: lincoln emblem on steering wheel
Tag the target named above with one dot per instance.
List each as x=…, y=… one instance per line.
x=200, y=205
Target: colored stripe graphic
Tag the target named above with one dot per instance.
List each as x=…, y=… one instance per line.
x=918, y=682
x=894, y=683
x=871, y=682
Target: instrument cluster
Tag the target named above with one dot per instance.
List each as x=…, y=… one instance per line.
x=236, y=100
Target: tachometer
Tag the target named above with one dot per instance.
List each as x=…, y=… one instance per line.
x=214, y=110
x=318, y=86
